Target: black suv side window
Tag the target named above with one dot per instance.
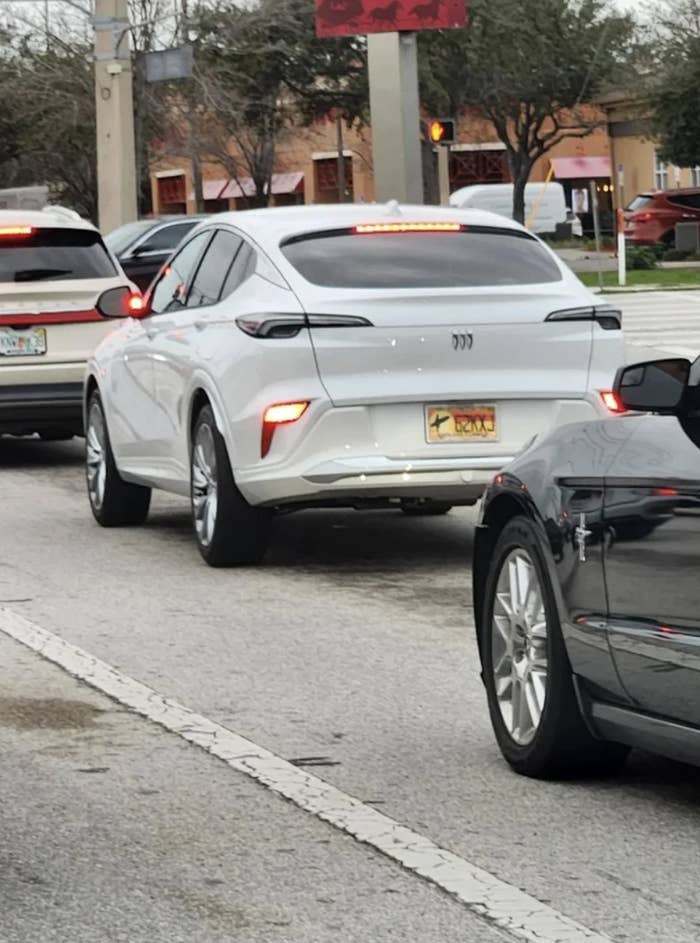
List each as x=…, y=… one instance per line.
x=167, y=238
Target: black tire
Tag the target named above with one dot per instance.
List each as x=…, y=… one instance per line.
x=114, y=502
x=426, y=508
x=232, y=533
x=562, y=745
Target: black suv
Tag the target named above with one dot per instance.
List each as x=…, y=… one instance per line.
x=143, y=247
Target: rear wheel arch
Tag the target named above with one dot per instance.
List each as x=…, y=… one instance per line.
x=90, y=387
x=200, y=399
x=499, y=512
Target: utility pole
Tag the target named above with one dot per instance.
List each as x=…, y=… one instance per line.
x=116, y=156
x=393, y=94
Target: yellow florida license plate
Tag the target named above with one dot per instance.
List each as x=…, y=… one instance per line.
x=460, y=422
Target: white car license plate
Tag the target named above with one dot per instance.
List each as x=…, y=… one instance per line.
x=30, y=342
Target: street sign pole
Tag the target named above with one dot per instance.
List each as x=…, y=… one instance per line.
x=116, y=155
x=444, y=173
x=394, y=103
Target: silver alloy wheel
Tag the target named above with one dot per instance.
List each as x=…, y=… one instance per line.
x=205, y=497
x=96, y=448
x=519, y=646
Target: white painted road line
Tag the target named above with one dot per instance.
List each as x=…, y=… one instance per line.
x=502, y=905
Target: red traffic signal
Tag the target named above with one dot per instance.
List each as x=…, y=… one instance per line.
x=441, y=130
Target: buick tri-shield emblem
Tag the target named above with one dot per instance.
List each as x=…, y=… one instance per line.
x=462, y=340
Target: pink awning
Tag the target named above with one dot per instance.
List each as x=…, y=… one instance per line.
x=231, y=189
x=586, y=168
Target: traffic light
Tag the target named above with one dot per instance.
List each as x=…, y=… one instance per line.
x=441, y=130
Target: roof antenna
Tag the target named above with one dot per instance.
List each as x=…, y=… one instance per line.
x=393, y=208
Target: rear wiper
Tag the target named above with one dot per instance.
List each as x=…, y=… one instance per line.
x=37, y=274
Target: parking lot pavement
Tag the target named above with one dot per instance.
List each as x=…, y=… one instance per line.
x=353, y=648
x=665, y=321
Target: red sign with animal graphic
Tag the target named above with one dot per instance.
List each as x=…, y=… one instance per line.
x=350, y=17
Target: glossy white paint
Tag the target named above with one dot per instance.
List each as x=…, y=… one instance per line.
x=364, y=433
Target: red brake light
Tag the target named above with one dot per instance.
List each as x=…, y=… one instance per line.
x=665, y=492
x=279, y=414
x=367, y=229
x=10, y=231
x=612, y=401
x=642, y=217
x=136, y=304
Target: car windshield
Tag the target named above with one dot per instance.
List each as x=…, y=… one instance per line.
x=48, y=254
x=468, y=257
x=122, y=237
x=639, y=202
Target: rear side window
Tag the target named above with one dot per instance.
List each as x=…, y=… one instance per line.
x=54, y=255
x=473, y=257
x=691, y=200
x=213, y=269
x=167, y=238
x=121, y=238
x=639, y=202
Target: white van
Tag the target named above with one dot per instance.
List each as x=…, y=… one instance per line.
x=498, y=198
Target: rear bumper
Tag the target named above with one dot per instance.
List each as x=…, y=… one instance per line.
x=37, y=407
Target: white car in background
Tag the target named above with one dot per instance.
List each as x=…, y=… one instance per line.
x=53, y=267
x=341, y=355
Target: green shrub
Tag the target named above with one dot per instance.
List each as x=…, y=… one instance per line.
x=675, y=255
x=641, y=257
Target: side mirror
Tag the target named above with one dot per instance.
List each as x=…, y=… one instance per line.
x=657, y=386
x=121, y=302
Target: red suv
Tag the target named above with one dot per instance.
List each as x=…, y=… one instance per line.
x=652, y=217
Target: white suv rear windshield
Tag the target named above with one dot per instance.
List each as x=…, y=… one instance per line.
x=54, y=254
x=470, y=257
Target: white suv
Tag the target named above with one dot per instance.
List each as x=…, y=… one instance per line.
x=357, y=355
x=53, y=267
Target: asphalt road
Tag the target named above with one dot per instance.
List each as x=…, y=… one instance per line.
x=351, y=648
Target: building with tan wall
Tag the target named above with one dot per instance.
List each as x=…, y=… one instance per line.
x=634, y=155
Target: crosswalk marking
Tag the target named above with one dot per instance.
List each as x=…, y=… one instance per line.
x=667, y=321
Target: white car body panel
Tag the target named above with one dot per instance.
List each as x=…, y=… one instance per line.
x=364, y=433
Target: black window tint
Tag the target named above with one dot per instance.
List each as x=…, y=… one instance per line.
x=54, y=255
x=239, y=271
x=170, y=289
x=477, y=257
x=167, y=238
x=691, y=200
x=213, y=269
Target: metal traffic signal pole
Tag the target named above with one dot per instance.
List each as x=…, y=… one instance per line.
x=116, y=155
x=393, y=93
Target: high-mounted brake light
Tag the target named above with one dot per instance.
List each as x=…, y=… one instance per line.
x=612, y=401
x=366, y=229
x=279, y=414
x=10, y=231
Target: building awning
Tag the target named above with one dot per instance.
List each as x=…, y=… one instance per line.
x=233, y=189
x=585, y=168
